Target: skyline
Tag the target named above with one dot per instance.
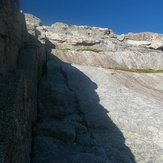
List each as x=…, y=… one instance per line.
x=121, y=17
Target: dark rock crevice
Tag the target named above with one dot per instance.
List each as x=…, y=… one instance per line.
x=77, y=104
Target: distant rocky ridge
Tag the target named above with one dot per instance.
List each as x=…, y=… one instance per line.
x=77, y=43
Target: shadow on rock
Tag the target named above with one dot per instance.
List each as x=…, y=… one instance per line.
x=73, y=125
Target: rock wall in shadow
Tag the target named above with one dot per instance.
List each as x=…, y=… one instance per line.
x=21, y=59
x=13, y=34
x=72, y=125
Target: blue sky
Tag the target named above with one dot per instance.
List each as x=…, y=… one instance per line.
x=122, y=16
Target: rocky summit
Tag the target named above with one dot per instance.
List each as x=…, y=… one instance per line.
x=76, y=94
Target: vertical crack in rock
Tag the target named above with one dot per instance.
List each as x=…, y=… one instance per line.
x=5, y=52
x=76, y=99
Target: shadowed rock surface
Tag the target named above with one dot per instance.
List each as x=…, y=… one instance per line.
x=22, y=58
x=73, y=125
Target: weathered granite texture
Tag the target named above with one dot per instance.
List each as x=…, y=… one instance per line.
x=22, y=58
x=13, y=34
x=91, y=113
x=73, y=126
x=155, y=40
x=87, y=112
x=35, y=27
x=18, y=107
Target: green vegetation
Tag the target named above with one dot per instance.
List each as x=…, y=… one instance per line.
x=89, y=49
x=136, y=70
x=66, y=49
x=86, y=49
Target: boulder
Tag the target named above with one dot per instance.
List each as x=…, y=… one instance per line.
x=156, y=45
x=121, y=37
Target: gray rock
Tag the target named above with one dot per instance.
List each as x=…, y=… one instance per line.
x=92, y=46
x=35, y=27
x=86, y=139
x=91, y=114
x=124, y=97
x=130, y=57
x=12, y=35
x=138, y=43
x=21, y=65
x=59, y=130
x=121, y=37
x=145, y=36
x=84, y=157
x=33, y=20
x=154, y=38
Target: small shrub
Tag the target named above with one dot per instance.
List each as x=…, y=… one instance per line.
x=66, y=49
x=89, y=49
x=136, y=70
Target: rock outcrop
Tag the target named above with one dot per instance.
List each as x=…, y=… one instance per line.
x=101, y=47
x=35, y=27
x=154, y=39
x=115, y=115
x=21, y=62
x=13, y=34
x=84, y=109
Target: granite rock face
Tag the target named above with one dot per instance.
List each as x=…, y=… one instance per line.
x=84, y=111
x=21, y=67
x=154, y=39
x=115, y=115
x=13, y=34
x=35, y=27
